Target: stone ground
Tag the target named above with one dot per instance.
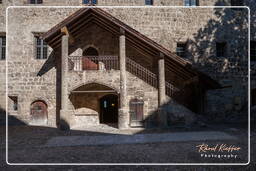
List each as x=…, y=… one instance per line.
x=27, y=144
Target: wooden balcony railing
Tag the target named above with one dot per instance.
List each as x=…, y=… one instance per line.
x=80, y=63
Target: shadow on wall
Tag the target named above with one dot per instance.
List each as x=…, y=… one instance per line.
x=229, y=28
x=48, y=65
x=220, y=49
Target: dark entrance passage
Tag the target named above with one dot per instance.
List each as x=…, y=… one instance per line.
x=109, y=109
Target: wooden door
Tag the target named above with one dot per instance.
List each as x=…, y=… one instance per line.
x=136, y=112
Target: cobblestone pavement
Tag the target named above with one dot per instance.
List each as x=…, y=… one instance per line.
x=26, y=145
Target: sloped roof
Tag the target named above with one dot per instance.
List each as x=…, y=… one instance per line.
x=83, y=16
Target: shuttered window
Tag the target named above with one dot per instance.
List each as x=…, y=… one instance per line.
x=2, y=47
x=136, y=110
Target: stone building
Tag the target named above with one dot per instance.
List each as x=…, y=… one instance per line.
x=129, y=66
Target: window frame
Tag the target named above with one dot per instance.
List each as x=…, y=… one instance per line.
x=184, y=46
x=223, y=52
x=149, y=2
x=237, y=2
x=2, y=47
x=253, y=50
x=35, y=2
x=188, y=3
x=14, y=103
x=90, y=2
x=42, y=46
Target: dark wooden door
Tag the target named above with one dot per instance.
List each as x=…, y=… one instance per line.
x=39, y=112
x=136, y=112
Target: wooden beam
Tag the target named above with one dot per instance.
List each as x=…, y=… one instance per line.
x=65, y=31
x=95, y=91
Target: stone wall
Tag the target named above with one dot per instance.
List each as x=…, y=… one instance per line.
x=167, y=26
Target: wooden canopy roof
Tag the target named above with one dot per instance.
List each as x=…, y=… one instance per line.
x=86, y=16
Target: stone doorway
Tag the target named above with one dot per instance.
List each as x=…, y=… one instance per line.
x=109, y=109
x=39, y=113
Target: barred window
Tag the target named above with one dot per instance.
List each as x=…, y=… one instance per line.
x=191, y=2
x=41, y=48
x=2, y=47
x=181, y=49
x=253, y=50
x=92, y=2
x=35, y=1
x=148, y=2
x=221, y=49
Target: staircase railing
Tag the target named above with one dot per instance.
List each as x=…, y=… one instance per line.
x=80, y=63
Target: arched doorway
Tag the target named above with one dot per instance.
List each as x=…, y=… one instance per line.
x=39, y=112
x=109, y=109
x=90, y=61
x=90, y=51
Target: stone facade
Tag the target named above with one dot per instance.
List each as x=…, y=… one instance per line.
x=30, y=79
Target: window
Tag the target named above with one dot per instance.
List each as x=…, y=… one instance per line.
x=136, y=111
x=35, y=1
x=148, y=2
x=2, y=47
x=90, y=2
x=181, y=49
x=253, y=97
x=41, y=48
x=237, y=2
x=221, y=48
x=1, y=1
x=13, y=103
x=253, y=50
x=191, y=2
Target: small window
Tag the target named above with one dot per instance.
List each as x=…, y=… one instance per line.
x=253, y=97
x=237, y=2
x=2, y=47
x=148, y=2
x=253, y=50
x=221, y=48
x=191, y=2
x=13, y=103
x=41, y=48
x=181, y=49
x=90, y=2
x=35, y=1
x=1, y=1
